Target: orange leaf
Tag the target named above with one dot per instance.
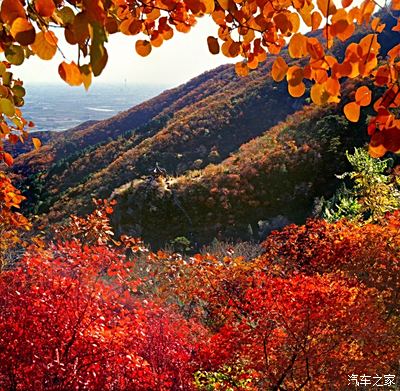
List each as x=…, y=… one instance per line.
x=363, y=96
x=397, y=27
x=315, y=48
x=143, y=48
x=294, y=19
x=207, y=6
x=45, y=8
x=295, y=75
x=218, y=16
x=382, y=76
x=36, y=142
x=224, y=4
x=279, y=69
x=377, y=151
x=70, y=73
x=241, y=69
x=45, y=45
x=319, y=94
x=297, y=90
x=396, y=5
x=297, y=46
x=352, y=111
x=156, y=39
x=8, y=159
x=316, y=20
x=327, y=7
x=282, y=22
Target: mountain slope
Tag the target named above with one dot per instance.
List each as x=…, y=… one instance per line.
x=276, y=176
x=185, y=128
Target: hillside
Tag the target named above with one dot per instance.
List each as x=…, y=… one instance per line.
x=188, y=127
x=194, y=133
x=271, y=181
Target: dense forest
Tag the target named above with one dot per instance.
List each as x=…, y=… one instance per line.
x=232, y=233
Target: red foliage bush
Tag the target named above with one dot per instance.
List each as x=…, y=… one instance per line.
x=70, y=319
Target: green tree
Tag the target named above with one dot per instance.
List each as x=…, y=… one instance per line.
x=373, y=193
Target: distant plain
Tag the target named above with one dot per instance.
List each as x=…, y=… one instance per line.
x=56, y=108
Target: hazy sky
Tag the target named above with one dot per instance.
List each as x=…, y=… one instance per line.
x=176, y=61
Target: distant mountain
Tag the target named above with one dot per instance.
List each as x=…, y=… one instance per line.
x=219, y=182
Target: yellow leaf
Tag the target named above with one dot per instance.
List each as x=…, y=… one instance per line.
x=7, y=107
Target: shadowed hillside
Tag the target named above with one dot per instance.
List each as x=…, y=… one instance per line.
x=272, y=180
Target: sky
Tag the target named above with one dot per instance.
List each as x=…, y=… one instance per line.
x=175, y=62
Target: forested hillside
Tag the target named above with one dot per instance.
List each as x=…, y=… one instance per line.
x=273, y=179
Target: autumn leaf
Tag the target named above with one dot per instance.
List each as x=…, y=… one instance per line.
x=298, y=46
x=8, y=159
x=279, y=69
x=352, y=111
x=70, y=73
x=363, y=96
x=143, y=47
x=297, y=90
x=23, y=31
x=319, y=94
x=11, y=10
x=45, y=8
x=36, y=142
x=7, y=107
x=45, y=45
x=241, y=69
x=213, y=45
